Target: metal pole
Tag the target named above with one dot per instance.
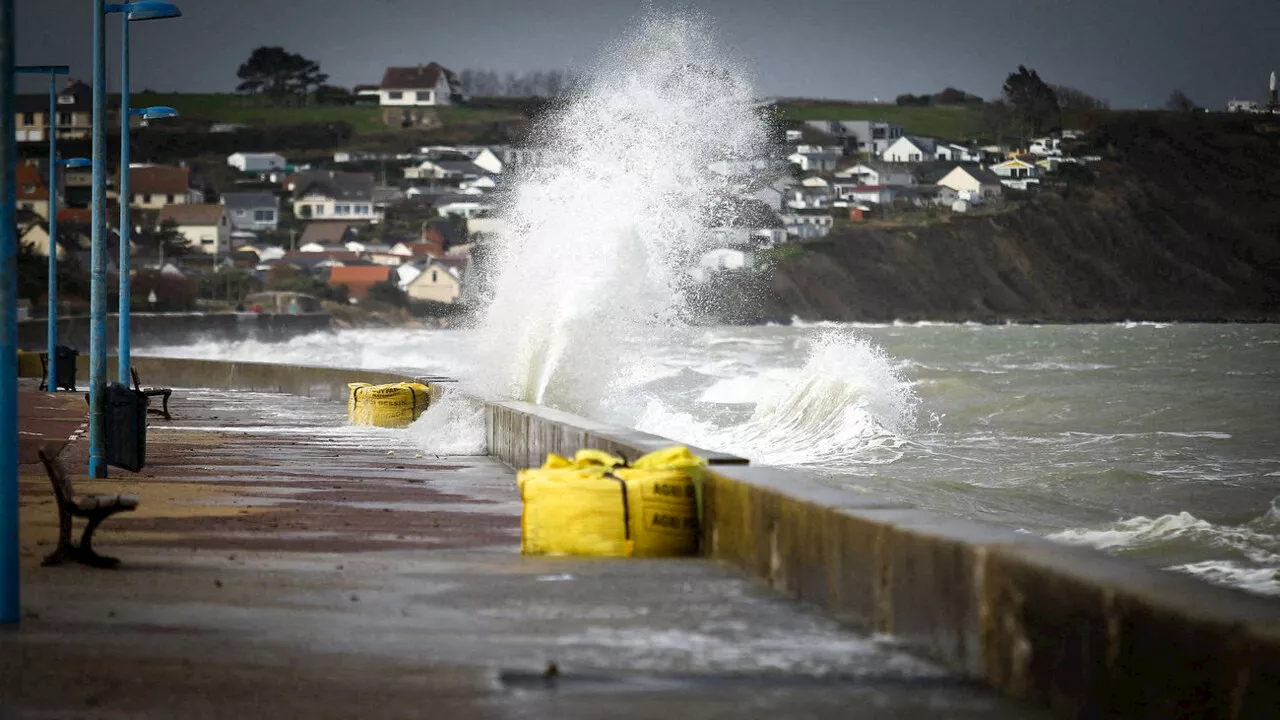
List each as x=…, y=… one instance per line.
x=122, y=321
x=98, y=271
x=51, y=382
x=9, y=595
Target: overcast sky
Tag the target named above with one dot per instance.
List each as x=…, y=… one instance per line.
x=1130, y=52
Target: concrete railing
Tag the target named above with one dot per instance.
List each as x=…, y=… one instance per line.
x=1083, y=633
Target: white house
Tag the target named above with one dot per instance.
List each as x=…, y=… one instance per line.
x=329, y=195
x=1017, y=173
x=877, y=174
x=807, y=226
x=814, y=161
x=911, y=149
x=485, y=158
x=877, y=194
x=421, y=86
x=972, y=183
x=438, y=282
x=951, y=152
x=1046, y=147
x=256, y=162
x=206, y=226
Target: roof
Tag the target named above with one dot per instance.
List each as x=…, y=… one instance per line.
x=308, y=257
x=249, y=201
x=447, y=231
x=983, y=176
x=413, y=78
x=868, y=188
x=359, y=278
x=82, y=93
x=324, y=233
x=192, y=214
x=462, y=167
x=75, y=216
x=159, y=180
x=927, y=145
x=28, y=176
x=336, y=185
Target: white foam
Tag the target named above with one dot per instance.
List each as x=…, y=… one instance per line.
x=452, y=425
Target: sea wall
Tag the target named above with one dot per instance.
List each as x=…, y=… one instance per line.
x=149, y=329
x=1071, y=629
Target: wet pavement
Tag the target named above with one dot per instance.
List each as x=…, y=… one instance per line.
x=282, y=564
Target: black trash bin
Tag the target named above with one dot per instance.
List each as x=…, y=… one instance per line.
x=126, y=427
x=66, y=367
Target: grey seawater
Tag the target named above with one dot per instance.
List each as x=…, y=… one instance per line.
x=1154, y=441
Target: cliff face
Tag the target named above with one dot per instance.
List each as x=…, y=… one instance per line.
x=1182, y=222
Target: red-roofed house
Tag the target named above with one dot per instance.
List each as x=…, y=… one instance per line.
x=420, y=86
x=358, y=278
x=33, y=194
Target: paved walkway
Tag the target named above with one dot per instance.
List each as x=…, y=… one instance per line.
x=284, y=565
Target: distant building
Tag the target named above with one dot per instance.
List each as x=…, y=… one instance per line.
x=74, y=113
x=972, y=183
x=252, y=211
x=421, y=86
x=911, y=149
x=329, y=195
x=256, y=162
x=860, y=136
x=205, y=226
x=156, y=187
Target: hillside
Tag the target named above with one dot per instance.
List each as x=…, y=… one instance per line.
x=1182, y=223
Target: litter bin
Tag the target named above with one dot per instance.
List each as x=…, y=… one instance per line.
x=126, y=427
x=66, y=369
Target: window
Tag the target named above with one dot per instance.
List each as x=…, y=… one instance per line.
x=208, y=241
x=341, y=209
x=66, y=118
x=362, y=209
x=28, y=189
x=264, y=216
x=30, y=207
x=28, y=119
x=395, y=95
x=434, y=276
x=428, y=97
x=318, y=210
x=168, y=199
x=67, y=99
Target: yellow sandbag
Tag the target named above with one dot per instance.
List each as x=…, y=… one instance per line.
x=395, y=405
x=581, y=507
x=29, y=364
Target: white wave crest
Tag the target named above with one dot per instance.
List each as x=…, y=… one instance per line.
x=846, y=407
x=453, y=425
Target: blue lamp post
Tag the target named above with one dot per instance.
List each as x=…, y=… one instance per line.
x=146, y=10
x=53, y=71
x=131, y=12
x=9, y=600
x=123, y=348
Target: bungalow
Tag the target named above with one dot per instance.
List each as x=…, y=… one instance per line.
x=155, y=187
x=952, y=152
x=33, y=193
x=874, y=173
x=438, y=282
x=329, y=195
x=877, y=194
x=972, y=182
x=1018, y=173
x=252, y=211
x=911, y=149
x=421, y=86
x=206, y=227
x=256, y=162
x=814, y=159
x=359, y=278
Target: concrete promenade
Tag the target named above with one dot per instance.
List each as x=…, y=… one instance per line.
x=284, y=565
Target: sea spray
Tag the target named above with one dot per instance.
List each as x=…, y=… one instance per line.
x=846, y=407
x=454, y=424
x=599, y=236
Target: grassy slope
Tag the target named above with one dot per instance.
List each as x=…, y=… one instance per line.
x=958, y=122
x=229, y=108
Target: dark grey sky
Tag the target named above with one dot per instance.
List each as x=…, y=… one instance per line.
x=1131, y=52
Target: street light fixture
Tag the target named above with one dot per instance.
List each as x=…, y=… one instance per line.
x=131, y=12
x=53, y=71
x=136, y=11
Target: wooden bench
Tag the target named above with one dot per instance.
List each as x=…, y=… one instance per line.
x=162, y=393
x=94, y=508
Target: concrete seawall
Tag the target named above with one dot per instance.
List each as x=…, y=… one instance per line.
x=1080, y=632
x=177, y=328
